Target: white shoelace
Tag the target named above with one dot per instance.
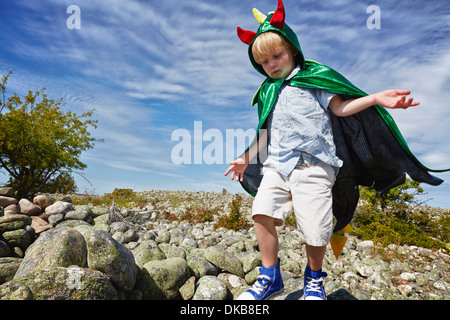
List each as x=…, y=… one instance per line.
x=261, y=284
x=314, y=284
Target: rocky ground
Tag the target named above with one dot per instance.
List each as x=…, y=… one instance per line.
x=86, y=252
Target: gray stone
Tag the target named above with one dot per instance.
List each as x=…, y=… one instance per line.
x=365, y=247
x=99, y=211
x=58, y=207
x=162, y=279
x=111, y=257
x=5, y=250
x=211, y=288
x=13, y=222
x=43, y=201
x=60, y=247
x=73, y=224
x=251, y=261
x=118, y=226
x=55, y=219
x=17, y=238
x=58, y=283
x=147, y=251
x=200, y=266
x=163, y=237
x=8, y=268
x=15, y=291
x=224, y=260
x=6, y=201
x=76, y=215
x=29, y=208
x=6, y=192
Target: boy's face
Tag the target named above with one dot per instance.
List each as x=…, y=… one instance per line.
x=279, y=64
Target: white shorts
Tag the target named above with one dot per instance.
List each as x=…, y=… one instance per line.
x=308, y=191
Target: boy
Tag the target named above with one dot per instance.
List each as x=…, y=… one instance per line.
x=301, y=165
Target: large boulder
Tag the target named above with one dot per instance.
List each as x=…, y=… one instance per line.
x=18, y=238
x=42, y=200
x=12, y=209
x=147, y=251
x=6, y=191
x=162, y=279
x=59, y=207
x=6, y=201
x=58, y=283
x=211, y=288
x=5, y=250
x=15, y=231
x=99, y=211
x=39, y=225
x=199, y=265
x=13, y=222
x=110, y=257
x=61, y=247
x=15, y=291
x=224, y=260
x=29, y=208
x=8, y=268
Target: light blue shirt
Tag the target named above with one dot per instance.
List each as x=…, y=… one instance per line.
x=300, y=122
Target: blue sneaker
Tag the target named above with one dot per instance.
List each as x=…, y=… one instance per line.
x=268, y=284
x=313, y=285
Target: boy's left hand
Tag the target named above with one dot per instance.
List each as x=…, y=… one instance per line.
x=394, y=99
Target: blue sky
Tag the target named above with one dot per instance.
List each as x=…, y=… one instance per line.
x=149, y=68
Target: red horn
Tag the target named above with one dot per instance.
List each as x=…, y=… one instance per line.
x=278, y=17
x=246, y=36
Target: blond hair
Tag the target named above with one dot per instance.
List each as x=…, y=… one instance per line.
x=267, y=42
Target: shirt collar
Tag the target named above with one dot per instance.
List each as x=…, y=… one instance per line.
x=293, y=73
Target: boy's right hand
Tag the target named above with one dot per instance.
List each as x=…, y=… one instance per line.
x=237, y=169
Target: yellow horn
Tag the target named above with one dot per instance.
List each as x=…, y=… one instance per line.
x=259, y=16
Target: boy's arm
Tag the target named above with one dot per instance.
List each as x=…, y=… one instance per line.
x=239, y=165
x=258, y=145
x=392, y=99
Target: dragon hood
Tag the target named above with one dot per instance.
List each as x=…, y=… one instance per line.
x=275, y=22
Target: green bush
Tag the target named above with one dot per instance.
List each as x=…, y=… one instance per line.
x=41, y=141
x=391, y=218
x=198, y=215
x=235, y=220
x=121, y=197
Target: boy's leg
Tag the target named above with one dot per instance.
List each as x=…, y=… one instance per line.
x=314, y=276
x=269, y=283
x=312, y=199
x=315, y=256
x=267, y=237
x=270, y=207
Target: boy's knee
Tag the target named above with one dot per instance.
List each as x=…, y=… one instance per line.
x=266, y=220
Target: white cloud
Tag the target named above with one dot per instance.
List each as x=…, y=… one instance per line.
x=151, y=67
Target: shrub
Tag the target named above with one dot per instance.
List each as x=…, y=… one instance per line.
x=198, y=215
x=235, y=220
x=391, y=218
x=121, y=197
